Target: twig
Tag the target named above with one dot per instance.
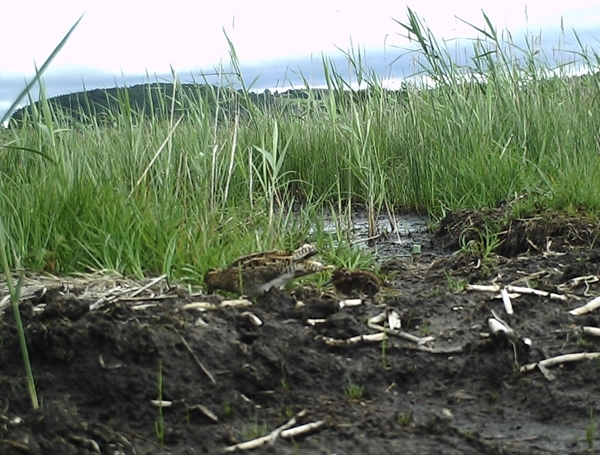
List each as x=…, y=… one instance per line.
x=560, y=359
x=524, y=290
x=500, y=328
x=517, y=289
x=204, y=306
x=143, y=306
x=313, y=322
x=506, y=301
x=588, y=279
x=403, y=334
x=197, y=360
x=594, y=331
x=350, y=302
x=150, y=284
x=148, y=298
x=204, y=410
x=255, y=320
x=587, y=308
x=394, y=327
x=354, y=340
x=376, y=320
x=161, y=403
x=394, y=321
x=270, y=438
x=483, y=287
x=301, y=429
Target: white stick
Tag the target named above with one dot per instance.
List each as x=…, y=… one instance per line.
x=150, y=284
x=483, y=287
x=204, y=306
x=143, y=306
x=595, y=331
x=237, y=303
x=271, y=437
x=315, y=321
x=161, y=403
x=301, y=429
x=512, y=295
x=561, y=359
x=403, y=334
x=497, y=327
x=506, y=300
x=394, y=321
x=524, y=290
x=350, y=302
x=254, y=319
x=587, y=308
x=357, y=339
x=587, y=279
x=377, y=319
x=204, y=410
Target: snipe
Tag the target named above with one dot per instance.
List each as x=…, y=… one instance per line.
x=348, y=282
x=255, y=274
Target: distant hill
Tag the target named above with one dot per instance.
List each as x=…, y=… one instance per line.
x=146, y=99
x=156, y=100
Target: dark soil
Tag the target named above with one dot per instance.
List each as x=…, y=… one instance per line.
x=97, y=370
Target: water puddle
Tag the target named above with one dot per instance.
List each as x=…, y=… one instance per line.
x=397, y=237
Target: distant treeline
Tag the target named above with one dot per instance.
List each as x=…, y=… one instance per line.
x=156, y=100
x=151, y=100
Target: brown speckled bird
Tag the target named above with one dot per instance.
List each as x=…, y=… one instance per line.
x=348, y=282
x=255, y=274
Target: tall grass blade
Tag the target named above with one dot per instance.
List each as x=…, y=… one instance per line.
x=40, y=72
x=15, y=294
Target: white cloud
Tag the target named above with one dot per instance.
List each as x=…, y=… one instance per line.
x=133, y=36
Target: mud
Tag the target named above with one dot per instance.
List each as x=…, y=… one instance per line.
x=97, y=364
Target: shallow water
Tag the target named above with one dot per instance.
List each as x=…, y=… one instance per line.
x=96, y=367
x=395, y=238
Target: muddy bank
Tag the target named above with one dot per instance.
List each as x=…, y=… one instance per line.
x=98, y=350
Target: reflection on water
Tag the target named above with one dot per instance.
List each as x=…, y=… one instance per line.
x=390, y=240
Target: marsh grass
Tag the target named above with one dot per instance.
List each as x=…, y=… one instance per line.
x=590, y=430
x=159, y=425
x=199, y=178
x=354, y=391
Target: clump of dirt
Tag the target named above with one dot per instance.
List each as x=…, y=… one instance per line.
x=99, y=352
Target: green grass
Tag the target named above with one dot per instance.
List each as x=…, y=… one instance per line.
x=5, y=245
x=159, y=425
x=254, y=430
x=354, y=391
x=590, y=430
x=404, y=419
x=182, y=193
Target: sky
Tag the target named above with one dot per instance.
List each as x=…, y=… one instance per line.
x=122, y=41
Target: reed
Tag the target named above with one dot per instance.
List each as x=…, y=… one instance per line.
x=200, y=178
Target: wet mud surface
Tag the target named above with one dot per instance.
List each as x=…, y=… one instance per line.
x=227, y=380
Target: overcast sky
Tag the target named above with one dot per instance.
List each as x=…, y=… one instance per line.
x=126, y=39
